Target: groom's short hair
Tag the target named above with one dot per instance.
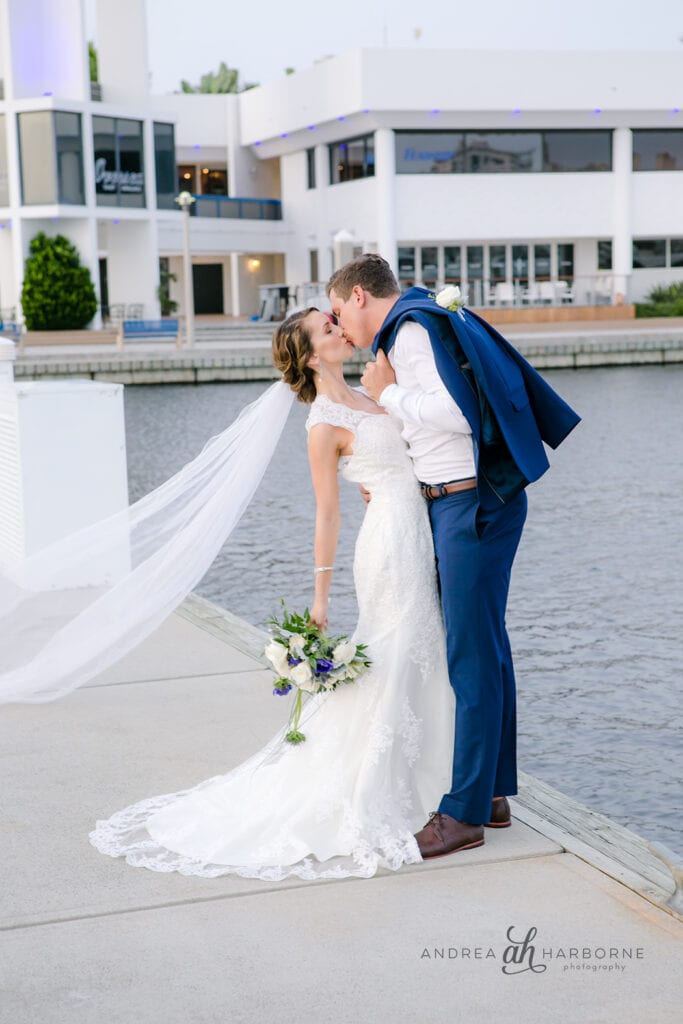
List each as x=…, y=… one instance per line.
x=370, y=271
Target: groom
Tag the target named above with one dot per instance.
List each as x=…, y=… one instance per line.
x=475, y=415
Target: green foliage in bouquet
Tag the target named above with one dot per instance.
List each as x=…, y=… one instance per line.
x=306, y=658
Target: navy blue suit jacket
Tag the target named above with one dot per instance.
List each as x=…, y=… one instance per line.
x=511, y=409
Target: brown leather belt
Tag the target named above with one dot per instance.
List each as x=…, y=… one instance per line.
x=433, y=491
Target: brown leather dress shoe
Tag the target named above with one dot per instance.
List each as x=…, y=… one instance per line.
x=501, y=816
x=443, y=834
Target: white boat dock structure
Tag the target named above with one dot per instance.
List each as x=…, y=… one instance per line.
x=88, y=938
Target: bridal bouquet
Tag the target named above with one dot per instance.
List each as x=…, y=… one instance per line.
x=304, y=657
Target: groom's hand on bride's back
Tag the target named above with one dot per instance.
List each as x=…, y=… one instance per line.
x=365, y=495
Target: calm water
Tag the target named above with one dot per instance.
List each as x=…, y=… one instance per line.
x=596, y=601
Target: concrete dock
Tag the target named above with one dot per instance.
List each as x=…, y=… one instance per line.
x=88, y=938
x=241, y=351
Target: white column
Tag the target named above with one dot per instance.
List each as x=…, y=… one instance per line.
x=235, y=282
x=622, y=242
x=385, y=178
x=324, y=238
x=122, y=50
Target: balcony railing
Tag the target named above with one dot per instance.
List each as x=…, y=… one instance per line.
x=578, y=289
x=234, y=208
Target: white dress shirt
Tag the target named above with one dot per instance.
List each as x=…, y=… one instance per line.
x=435, y=429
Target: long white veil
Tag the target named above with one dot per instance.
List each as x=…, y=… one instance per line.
x=77, y=606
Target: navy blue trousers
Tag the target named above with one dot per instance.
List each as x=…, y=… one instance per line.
x=475, y=550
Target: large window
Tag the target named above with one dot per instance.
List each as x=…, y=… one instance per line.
x=354, y=158
x=310, y=174
x=502, y=152
x=119, y=163
x=658, y=150
x=452, y=266
x=51, y=153
x=4, y=186
x=429, y=262
x=406, y=263
x=577, y=151
x=164, y=166
x=649, y=253
x=605, y=254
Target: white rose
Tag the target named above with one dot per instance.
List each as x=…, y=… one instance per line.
x=449, y=296
x=277, y=656
x=297, y=644
x=343, y=653
x=303, y=677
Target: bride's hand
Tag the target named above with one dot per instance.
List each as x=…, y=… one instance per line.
x=318, y=614
x=365, y=494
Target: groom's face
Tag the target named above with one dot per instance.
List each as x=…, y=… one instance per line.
x=354, y=316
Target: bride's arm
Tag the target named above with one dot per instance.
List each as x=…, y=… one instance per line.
x=323, y=454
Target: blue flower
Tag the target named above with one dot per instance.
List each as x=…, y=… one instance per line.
x=282, y=689
x=294, y=661
x=323, y=665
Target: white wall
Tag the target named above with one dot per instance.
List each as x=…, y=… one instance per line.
x=133, y=264
x=657, y=204
x=490, y=206
x=121, y=49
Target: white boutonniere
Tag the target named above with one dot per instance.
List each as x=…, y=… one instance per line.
x=450, y=298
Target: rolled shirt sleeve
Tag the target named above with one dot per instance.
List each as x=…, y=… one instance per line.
x=429, y=405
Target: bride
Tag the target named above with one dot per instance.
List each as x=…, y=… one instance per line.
x=378, y=751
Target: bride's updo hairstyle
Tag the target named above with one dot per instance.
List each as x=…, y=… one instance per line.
x=292, y=349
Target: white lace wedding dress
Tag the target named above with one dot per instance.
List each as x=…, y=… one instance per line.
x=378, y=751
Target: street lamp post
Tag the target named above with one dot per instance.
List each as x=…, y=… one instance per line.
x=185, y=201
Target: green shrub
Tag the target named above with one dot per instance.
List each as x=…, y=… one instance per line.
x=57, y=293
x=662, y=300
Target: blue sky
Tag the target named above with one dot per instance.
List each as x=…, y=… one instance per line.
x=264, y=37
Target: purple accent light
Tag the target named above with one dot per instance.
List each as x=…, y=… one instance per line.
x=258, y=143
x=284, y=135
x=311, y=128
x=436, y=111
x=516, y=112
x=196, y=146
x=598, y=110
x=342, y=118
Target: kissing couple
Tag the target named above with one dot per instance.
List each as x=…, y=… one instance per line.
x=416, y=759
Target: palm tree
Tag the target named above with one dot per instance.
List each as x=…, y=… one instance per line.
x=224, y=80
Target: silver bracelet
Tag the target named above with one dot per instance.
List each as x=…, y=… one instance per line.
x=324, y=568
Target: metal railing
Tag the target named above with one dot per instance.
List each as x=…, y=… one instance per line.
x=236, y=208
x=600, y=289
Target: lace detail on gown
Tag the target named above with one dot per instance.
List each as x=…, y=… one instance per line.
x=378, y=752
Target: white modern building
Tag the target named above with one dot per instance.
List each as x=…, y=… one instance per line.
x=527, y=177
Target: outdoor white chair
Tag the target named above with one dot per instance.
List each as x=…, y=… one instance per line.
x=117, y=312
x=603, y=291
x=531, y=294
x=547, y=292
x=564, y=292
x=504, y=294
